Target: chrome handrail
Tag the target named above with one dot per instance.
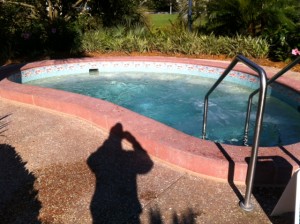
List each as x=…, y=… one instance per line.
x=270, y=81
x=246, y=203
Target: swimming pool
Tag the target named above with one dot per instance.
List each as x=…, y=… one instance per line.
x=275, y=164
x=177, y=101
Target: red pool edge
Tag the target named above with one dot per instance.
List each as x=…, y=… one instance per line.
x=275, y=164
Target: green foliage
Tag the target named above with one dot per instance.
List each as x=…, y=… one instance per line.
x=275, y=21
x=116, y=39
x=116, y=12
x=248, y=17
x=172, y=41
x=85, y=22
x=285, y=37
x=61, y=35
x=282, y=41
x=27, y=30
x=161, y=5
x=224, y=18
x=22, y=33
x=198, y=12
x=251, y=27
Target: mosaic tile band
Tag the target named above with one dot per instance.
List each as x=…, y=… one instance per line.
x=281, y=92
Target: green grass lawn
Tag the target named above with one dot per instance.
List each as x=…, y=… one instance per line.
x=162, y=20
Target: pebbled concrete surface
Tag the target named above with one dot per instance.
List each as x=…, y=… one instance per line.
x=56, y=168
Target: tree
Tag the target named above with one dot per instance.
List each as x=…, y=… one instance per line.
x=198, y=11
x=50, y=9
x=116, y=12
x=30, y=27
x=161, y=5
x=277, y=21
x=251, y=17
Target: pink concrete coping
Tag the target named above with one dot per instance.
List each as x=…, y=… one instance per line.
x=275, y=164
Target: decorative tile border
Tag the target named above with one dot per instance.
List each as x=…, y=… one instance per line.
x=283, y=93
x=130, y=66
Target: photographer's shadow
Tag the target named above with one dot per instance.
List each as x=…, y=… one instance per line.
x=115, y=199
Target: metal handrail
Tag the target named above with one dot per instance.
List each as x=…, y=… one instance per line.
x=270, y=81
x=246, y=203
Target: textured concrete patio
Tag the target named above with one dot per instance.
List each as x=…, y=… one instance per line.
x=56, y=168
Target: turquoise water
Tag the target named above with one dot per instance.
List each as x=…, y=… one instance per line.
x=177, y=101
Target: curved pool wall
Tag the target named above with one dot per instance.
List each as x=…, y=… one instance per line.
x=227, y=162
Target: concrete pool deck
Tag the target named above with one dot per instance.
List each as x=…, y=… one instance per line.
x=226, y=162
x=49, y=174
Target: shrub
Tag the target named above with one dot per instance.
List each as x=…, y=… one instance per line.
x=172, y=41
x=62, y=35
x=22, y=35
x=282, y=41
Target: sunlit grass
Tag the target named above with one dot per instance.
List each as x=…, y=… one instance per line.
x=162, y=20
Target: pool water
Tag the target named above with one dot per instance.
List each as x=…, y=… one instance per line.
x=177, y=101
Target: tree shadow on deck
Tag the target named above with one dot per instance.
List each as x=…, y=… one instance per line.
x=3, y=124
x=187, y=217
x=18, y=198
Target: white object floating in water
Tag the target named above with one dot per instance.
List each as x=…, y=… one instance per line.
x=234, y=140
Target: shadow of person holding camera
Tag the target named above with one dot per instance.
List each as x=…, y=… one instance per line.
x=115, y=199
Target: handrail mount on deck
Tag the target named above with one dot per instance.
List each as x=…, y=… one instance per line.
x=246, y=203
